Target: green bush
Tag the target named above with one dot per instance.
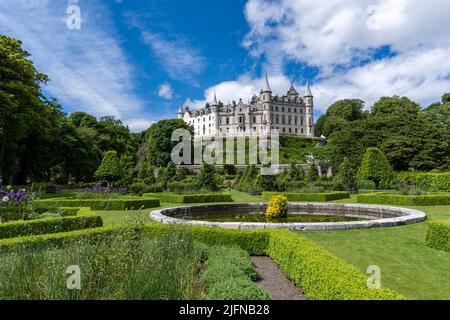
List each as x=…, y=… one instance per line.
x=375, y=167
x=178, y=186
x=310, y=197
x=438, y=235
x=139, y=188
x=190, y=198
x=229, y=275
x=425, y=180
x=109, y=169
x=125, y=203
x=45, y=226
x=319, y=274
x=395, y=199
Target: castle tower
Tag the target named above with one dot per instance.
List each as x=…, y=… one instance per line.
x=292, y=93
x=180, y=113
x=215, y=106
x=309, y=102
x=266, y=98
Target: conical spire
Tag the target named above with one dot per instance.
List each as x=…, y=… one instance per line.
x=215, y=103
x=180, y=109
x=292, y=90
x=308, y=92
x=267, y=86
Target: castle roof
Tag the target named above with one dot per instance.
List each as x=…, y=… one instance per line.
x=267, y=86
x=308, y=92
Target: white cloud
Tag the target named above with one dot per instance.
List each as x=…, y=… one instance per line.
x=88, y=70
x=179, y=59
x=335, y=36
x=165, y=91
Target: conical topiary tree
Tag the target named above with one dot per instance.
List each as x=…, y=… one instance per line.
x=110, y=169
x=347, y=176
x=375, y=167
x=206, y=178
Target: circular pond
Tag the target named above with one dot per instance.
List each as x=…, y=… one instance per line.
x=302, y=216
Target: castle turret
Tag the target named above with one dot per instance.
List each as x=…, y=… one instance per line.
x=180, y=113
x=309, y=102
x=266, y=98
x=215, y=105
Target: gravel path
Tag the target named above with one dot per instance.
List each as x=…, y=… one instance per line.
x=274, y=281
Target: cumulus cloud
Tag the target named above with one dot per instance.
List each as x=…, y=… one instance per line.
x=340, y=39
x=165, y=91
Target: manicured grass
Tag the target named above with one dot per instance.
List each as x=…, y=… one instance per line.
x=407, y=264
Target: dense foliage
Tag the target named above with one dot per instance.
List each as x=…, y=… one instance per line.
x=376, y=167
x=277, y=208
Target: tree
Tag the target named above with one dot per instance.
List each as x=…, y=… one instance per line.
x=19, y=100
x=338, y=115
x=109, y=169
x=206, y=178
x=160, y=145
x=347, y=176
x=375, y=167
x=312, y=175
x=446, y=98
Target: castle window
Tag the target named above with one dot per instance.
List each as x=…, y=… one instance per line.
x=289, y=109
x=276, y=108
x=290, y=130
x=301, y=121
x=302, y=131
x=301, y=110
x=296, y=130
x=254, y=119
x=295, y=121
x=228, y=121
x=254, y=129
x=283, y=120
x=289, y=120
x=284, y=130
x=228, y=130
x=282, y=109
x=271, y=108
x=277, y=119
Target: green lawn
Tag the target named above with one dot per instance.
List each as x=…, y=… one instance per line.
x=407, y=265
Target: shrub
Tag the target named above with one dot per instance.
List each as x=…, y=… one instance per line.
x=347, y=176
x=45, y=226
x=395, y=199
x=139, y=188
x=376, y=167
x=190, y=198
x=424, y=180
x=206, y=178
x=157, y=187
x=312, y=173
x=126, y=203
x=313, y=197
x=438, y=235
x=277, y=208
x=181, y=187
x=229, y=276
x=109, y=169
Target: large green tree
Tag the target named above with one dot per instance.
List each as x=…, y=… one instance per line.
x=376, y=167
x=160, y=144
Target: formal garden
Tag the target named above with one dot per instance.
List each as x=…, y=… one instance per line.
x=85, y=196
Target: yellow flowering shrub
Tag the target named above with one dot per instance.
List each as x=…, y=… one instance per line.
x=278, y=207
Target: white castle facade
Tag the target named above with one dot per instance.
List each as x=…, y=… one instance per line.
x=291, y=115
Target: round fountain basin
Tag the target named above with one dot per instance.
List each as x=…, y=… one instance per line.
x=343, y=216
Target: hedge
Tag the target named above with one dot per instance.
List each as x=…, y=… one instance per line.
x=317, y=273
x=46, y=226
x=309, y=197
x=425, y=180
x=190, y=198
x=438, y=235
x=230, y=275
x=395, y=199
x=118, y=204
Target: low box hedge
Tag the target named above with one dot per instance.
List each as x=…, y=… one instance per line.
x=309, y=197
x=425, y=180
x=190, y=198
x=438, y=235
x=46, y=226
x=118, y=204
x=396, y=199
x=316, y=272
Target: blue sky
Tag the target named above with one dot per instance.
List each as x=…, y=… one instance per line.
x=137, y=60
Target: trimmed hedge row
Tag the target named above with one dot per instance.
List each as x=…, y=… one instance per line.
x=438, y=235
x=309, y=197
x=102, y=204
x=395, y=199
x=425, y=180
x=317, y=273
x=320, y=274
x=230, y=275
x=190, y=198
x=46, y=226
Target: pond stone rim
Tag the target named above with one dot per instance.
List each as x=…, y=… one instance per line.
x=401, y=216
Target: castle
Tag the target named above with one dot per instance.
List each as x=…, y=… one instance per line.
x=290, y=115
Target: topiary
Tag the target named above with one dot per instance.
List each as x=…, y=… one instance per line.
x=110, y=169
x=376, y=167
